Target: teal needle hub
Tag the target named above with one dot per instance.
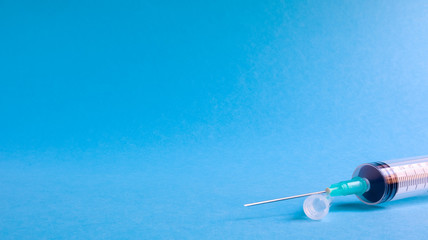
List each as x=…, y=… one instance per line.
x=356, y=185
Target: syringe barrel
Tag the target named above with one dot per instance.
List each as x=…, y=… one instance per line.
x=391, y=180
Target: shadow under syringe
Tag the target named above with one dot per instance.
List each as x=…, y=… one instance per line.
x=356, y=206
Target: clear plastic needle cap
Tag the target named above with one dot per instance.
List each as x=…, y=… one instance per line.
x=317, y=206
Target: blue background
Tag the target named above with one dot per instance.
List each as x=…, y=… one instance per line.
x=160, y=119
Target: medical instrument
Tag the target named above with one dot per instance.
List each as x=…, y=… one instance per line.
x=372, y=183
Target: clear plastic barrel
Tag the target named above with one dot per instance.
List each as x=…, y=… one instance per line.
x=393, y=180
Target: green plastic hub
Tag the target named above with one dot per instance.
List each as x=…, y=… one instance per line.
x=356, y=186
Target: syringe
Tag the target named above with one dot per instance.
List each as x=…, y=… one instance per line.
x=372, y=183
